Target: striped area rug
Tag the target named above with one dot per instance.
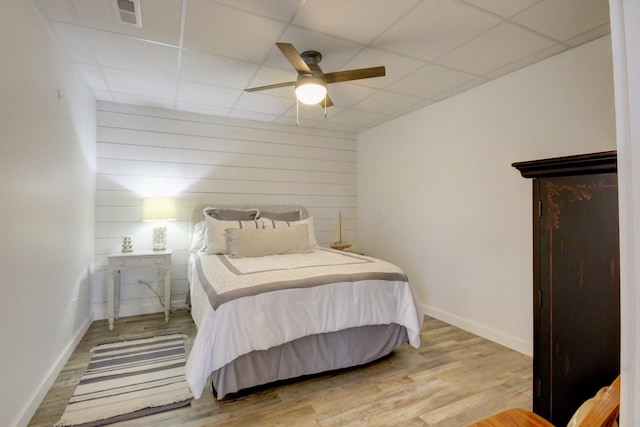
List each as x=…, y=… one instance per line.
x=130, y=379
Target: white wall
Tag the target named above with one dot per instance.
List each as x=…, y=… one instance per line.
x=47, y=187
x=625, y=34
x=437, y=193
x=204, y=159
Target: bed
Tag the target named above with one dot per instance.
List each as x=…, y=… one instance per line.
x=270, y=304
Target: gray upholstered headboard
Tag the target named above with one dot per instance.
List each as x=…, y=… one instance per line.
x=196, y=215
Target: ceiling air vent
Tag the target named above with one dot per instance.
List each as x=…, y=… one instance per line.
x=128, y=12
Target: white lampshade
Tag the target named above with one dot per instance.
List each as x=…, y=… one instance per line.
x=159, y=209
x=311, y=90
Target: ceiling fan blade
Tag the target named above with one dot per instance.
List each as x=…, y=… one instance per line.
x=274, y=86
x=294, y=58
x=361, y=73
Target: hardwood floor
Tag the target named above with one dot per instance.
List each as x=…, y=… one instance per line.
x=454, y=378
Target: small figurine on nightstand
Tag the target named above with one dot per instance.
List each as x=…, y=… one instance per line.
x=127, y=246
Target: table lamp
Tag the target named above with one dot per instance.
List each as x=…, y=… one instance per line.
x=159, y=210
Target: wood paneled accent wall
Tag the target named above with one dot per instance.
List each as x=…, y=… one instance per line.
x=198, y=159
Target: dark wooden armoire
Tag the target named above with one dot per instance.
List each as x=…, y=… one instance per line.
x=576, y=280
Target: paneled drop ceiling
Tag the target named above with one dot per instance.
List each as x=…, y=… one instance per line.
x=200, y=55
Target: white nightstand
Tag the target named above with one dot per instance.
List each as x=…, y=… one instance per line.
x=137, y=259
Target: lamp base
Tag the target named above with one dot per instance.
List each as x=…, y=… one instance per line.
x=160, y=238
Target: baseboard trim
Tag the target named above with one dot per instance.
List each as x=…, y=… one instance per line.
x=483, y=331
x=41, y=391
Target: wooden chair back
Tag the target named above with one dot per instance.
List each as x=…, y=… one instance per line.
x=603, y=413
x=605, y=407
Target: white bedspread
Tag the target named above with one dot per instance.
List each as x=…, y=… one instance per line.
x=246, y=304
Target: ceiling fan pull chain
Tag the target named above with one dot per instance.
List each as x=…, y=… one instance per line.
x=325, y=106
x=297, y=107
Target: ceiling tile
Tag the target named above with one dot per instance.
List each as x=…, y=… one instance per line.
x=261, y=103
x=429, y=81
x=160, y=19
x=355, y=117
x=281, y=9
x=74, y=39
x=269, y=75
x=334, y=126
x=128, y=82
x=210, y=69
x=400, y=112
x=421, y=104
x=253, y=115
x=346, y=94
x=203, y=109
x=311, y=112
x=432, y=49
x=383, y=102
x=127, y=53
x=291, y=121
x=216, y=96
x=58, y=10
x=434, y=28
x=587, y=36
x=103, y=95
x=93, y=76
x=147, y=101
x=335, y=51
x=564, y=19
x=397, y=66
x=504, y=8
x=527, y=60
x=494, y=49
x=356, y=20
x=229, y=32
x=459, y=89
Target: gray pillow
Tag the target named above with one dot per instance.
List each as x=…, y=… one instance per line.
x=225, y=214
x=268, y=241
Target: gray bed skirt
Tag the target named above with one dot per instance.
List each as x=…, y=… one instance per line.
x=308, y=355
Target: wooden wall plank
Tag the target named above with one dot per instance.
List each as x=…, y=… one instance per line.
x=155, y=168
x=199, y=157
x=205, y=159
x=221, y=144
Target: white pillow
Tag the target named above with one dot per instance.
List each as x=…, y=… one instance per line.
x=216, y=240
x=268, y=241
x=198, y=238
x=269, y=223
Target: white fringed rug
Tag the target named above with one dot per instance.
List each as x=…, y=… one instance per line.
x=130, y=379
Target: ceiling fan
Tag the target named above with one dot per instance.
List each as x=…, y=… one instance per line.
x=311, y=84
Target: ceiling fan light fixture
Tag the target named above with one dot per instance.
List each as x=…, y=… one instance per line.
x=311, y=90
